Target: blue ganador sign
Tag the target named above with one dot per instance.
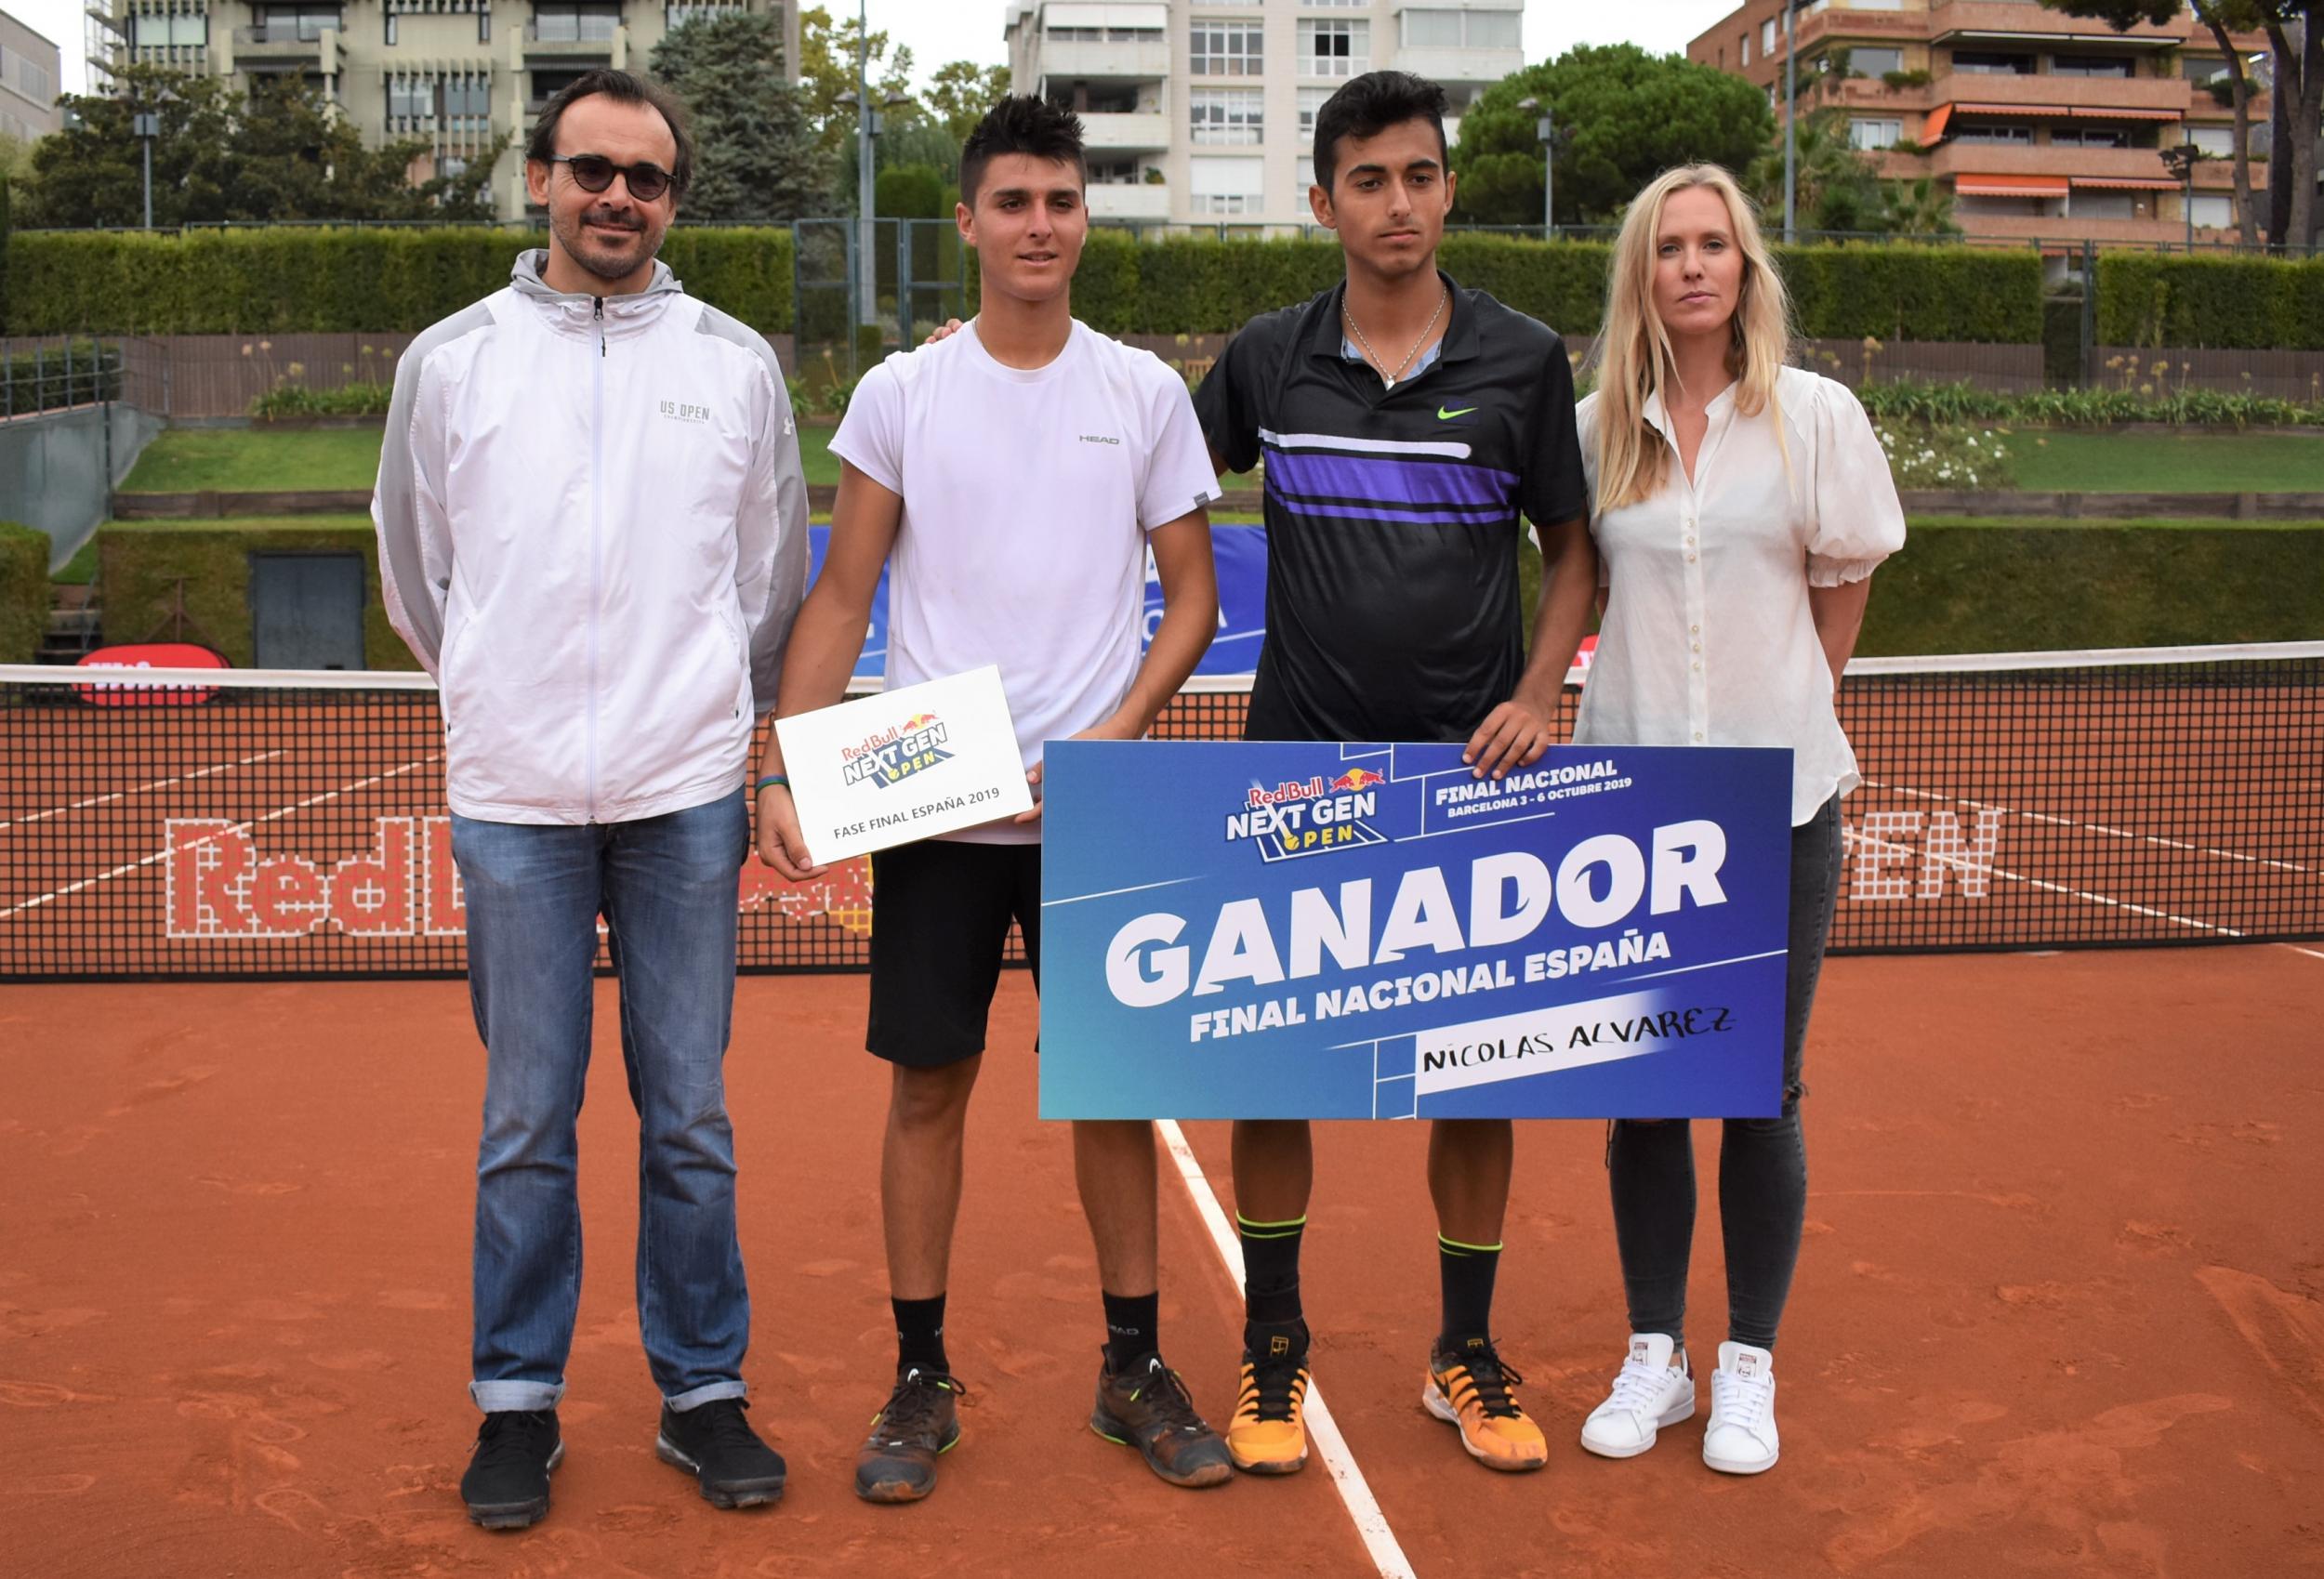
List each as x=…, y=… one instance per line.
x=1251, y=930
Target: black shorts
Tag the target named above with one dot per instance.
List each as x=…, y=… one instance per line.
x=941, y=911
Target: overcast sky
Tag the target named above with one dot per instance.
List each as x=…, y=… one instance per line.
x=969, y=29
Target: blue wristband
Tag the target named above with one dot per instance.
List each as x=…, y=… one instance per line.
x=766, y=778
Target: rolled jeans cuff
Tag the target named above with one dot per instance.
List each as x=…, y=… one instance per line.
x=709, y=1392
x=496, y=1397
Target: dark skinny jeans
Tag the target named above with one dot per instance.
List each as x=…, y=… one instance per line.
x=1762, y=1161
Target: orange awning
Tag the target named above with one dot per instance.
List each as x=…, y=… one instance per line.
x=2008, y=185
x=2057, y=110
x=2081, y=114
x=1933, y=128
x=2126, y=183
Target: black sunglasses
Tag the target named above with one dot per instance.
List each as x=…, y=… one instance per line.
x=594, y=172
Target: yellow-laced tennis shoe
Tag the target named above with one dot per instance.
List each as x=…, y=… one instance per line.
x=1268, y=1435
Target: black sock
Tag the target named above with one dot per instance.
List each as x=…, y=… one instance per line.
x=920, y=1333
x=1465, y=1274
x=1271, y=1280
x=1130, y=1321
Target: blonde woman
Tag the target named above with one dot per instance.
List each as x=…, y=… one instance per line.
x=1738, y=506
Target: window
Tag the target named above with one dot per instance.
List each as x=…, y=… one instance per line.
x=33, y=78
x=1306, y=174
x=2088, y=66
x=1990, y=133
x=548, y=85
x=302, y=24
x=1743, y=44
x=1226, y=115
x=575, y=22
x=410, y=98
x=465, y=103
x=1864, y=62
x=150, y=31
x=1985, y=62
x=483, y=24
x=1767, y=36
x=1458, y=29
x=2212, y=210
x=1114, y=172
x=678, y=14
x=1335, y=4
x=389, y=19
x=1224, y=186
x=2204, y=71
x=451, y=167
x=1226, y=49
x=2101, y=205
x=1311, y=102
x=1875, y=134
x=2217, y=142
x=2089, y=137
x=1335, y=48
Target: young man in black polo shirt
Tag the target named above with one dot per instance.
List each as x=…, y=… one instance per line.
x=1404, y=423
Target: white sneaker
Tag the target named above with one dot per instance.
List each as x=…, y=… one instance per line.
x=1740, y=1438
x=1649, y=1394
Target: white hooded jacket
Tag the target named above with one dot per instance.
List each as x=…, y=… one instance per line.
x=593, y=532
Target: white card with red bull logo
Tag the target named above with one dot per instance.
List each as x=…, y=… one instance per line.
x=906, y=764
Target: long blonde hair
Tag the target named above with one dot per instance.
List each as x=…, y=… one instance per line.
x=1633, y=351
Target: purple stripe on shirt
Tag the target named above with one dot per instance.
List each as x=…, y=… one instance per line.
x=1391, y=480
x=1451, y=515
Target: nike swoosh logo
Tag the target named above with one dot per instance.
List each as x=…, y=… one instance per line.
x=1444, y=415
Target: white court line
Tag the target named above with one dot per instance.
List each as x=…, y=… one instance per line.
x=157, y=783
x=72, y=889
x=2092, y=827
x=1370, y=1522
x=1966, y=865
x=2295, y=948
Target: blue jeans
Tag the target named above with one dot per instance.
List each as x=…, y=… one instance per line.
x=666, y=887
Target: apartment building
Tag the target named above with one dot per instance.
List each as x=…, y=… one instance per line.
x=463, y=74
x=1203, y=111
x=32, y=72
x=2041, y=125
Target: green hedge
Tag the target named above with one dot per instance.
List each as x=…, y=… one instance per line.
x=289, y=279
x=140, y=562
x=298, y=280
x=4, y=250
x=24, y=591
x=2020, y=587
x=70, y=374
x=2216, y=303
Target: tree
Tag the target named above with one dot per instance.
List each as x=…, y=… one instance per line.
x=2299, y=93
x=1622, y=116
x=284, y=154
x=960, y=91
x=827, y=69
x=1838, y=187
x=756, y=155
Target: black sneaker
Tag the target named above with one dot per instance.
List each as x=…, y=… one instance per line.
x=1146, y=1407
x=506, y=1483
x=716, y=1444
x=920, y=1421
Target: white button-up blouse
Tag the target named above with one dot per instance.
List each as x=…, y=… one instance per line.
x=1707, y=637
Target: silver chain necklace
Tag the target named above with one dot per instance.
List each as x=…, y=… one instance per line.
x=1388, y=380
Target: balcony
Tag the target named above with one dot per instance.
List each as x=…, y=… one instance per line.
x=1146, y=203
x=1070, y=61
x=1459, y=64
x=1957, y=159
x=2066, y=231
x=1972, y=21
x=1106, y=132
x=2146, y=97
x=288, y=44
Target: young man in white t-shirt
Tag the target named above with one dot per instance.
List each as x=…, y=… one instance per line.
x=1013, y=480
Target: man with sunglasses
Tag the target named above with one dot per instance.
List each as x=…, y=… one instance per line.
x=593, y=532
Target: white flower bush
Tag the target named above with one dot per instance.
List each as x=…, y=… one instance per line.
x=1945, y=457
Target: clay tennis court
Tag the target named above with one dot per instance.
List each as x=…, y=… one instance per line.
x=2061, y=1308
x=2058, y=1311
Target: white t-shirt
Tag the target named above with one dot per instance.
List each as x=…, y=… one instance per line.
x=1027, y=495
x=1707, y=637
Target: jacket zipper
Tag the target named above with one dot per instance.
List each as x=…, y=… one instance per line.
x=597, y=512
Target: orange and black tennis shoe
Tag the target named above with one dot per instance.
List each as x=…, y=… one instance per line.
x=1469, y=1389
x=1268, y=1435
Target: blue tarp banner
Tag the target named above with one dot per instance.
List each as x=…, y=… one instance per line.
x=1241, y=553
x=1263, y=930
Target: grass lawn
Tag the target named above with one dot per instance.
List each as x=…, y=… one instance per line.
x=248, y=460
x=2065, y=461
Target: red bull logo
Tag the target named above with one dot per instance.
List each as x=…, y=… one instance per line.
x=1357, y=779
x=1309, y=816
x=893, y=755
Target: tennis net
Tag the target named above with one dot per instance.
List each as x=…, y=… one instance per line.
x=224, y=823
